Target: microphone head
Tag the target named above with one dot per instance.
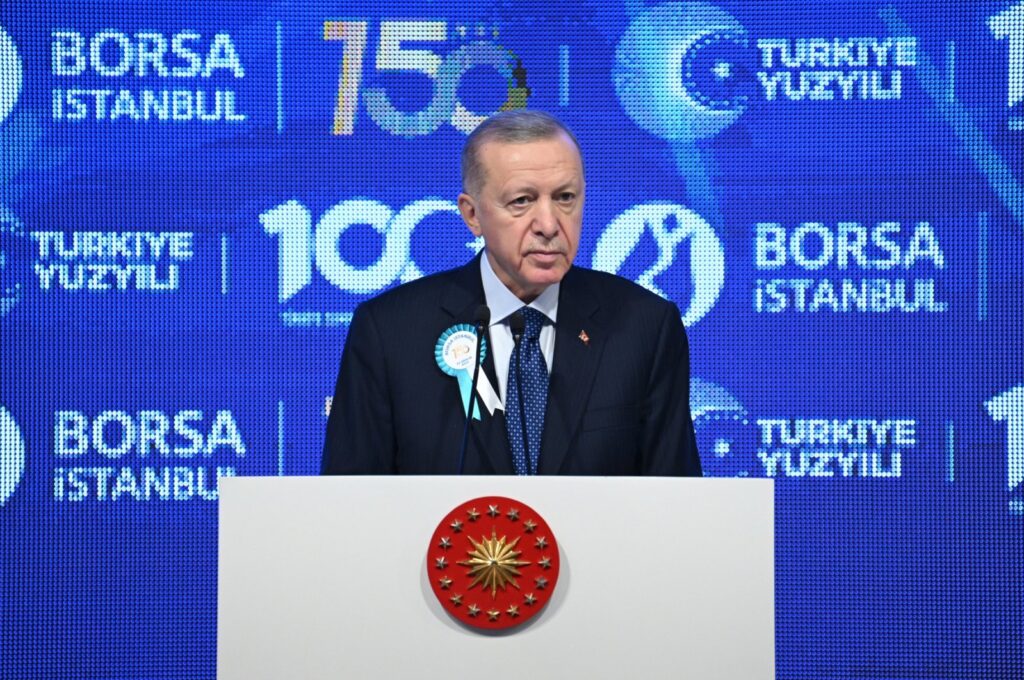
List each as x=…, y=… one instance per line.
x=482, y=316
x=517, y=324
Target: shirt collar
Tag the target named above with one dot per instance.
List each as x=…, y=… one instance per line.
x=503, y=303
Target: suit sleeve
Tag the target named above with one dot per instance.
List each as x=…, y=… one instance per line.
x=360, y=434
x=669, y=447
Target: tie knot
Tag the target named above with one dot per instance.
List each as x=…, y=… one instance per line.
x=534, y=322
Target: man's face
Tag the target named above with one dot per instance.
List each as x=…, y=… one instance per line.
x=529, y=211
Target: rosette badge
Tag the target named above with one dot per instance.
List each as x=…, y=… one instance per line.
x=454, y=353
x=493, y=563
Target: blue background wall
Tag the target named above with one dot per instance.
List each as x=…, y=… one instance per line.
x=830, y=191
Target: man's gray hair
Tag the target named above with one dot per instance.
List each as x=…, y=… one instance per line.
x=509, y=127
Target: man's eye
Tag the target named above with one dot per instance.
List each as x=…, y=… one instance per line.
x=521, y=200
x=566, y=196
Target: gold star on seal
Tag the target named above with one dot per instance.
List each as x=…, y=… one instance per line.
x=529, y=525
x=512, y=611
x=542, y=542
x=445, y=583
x=544, y=563
x=456, y=599
x=529, y=599
x=494, y=562
x=493, y=511
x=473, y=610
x=493, y=614
x=445, y=543
x=440, y=563
x=541, y=582
x=473, y=514
x=456, y=526
x=513, y=514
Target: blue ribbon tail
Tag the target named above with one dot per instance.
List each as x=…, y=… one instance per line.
x=465, y=383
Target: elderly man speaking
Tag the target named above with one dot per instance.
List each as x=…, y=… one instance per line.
x=580, y=372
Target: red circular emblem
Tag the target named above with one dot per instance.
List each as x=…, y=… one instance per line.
x=493, y=562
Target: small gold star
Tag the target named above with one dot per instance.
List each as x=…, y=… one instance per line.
x=456, y=599
x=445, y=543
x=493, y=511
x=440, y=563
x=445, y=583
x=542, y=542
x=529, y=525
x=541, y=582
x=512, y=611
x=529, y=599
x=513, y=514
x=456, y=526
x=493, y=614
x=473, y=514
x=545, y=563
x=473, y=610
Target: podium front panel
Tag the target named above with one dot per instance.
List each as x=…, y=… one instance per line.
x=325, y=577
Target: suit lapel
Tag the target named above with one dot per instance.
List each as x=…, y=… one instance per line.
x=460, y=301
x=574, y=369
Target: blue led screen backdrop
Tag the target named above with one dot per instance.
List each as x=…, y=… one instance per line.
x=194, y=197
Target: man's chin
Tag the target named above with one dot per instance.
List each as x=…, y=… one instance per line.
x=542, y=277
x=546, y=260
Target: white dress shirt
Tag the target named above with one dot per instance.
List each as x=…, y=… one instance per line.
x=503, y=303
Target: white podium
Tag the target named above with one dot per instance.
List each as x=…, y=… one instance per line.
x=325, y=577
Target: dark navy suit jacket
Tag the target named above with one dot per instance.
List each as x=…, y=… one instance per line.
x=618, y=404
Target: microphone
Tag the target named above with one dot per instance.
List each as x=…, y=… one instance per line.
x=517, y=324
x=481, y=319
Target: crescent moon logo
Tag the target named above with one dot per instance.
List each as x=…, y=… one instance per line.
x=726, y=435
x=682, y=70
x=12, y=455
x=10, y=75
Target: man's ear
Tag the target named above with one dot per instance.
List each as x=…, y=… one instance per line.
x=467, y=208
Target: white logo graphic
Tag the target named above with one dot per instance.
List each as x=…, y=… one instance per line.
x=14, y=258
x=723, y=429
x=688, y=70
x=707, y=260
x=12, y=455
x=302, y=244
x=734, y=443
x=1009, y=407
x=849, y=268
x=1010, y=24
x=191, y=61
x=128, y=260
x=10, y=75
x=145, y=456
x=657, y=64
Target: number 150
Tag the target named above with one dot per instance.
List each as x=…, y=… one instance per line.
x=445, y=71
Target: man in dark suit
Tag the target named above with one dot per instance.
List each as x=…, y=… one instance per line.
x=584, y=373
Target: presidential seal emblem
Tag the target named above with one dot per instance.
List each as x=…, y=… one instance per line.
x=493, y=563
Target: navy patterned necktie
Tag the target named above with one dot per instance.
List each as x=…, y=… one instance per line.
x=526, y=396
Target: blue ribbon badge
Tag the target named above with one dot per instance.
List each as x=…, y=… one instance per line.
x=454, y=355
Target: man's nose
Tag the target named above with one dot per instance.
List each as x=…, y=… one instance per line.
x=545, y=219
